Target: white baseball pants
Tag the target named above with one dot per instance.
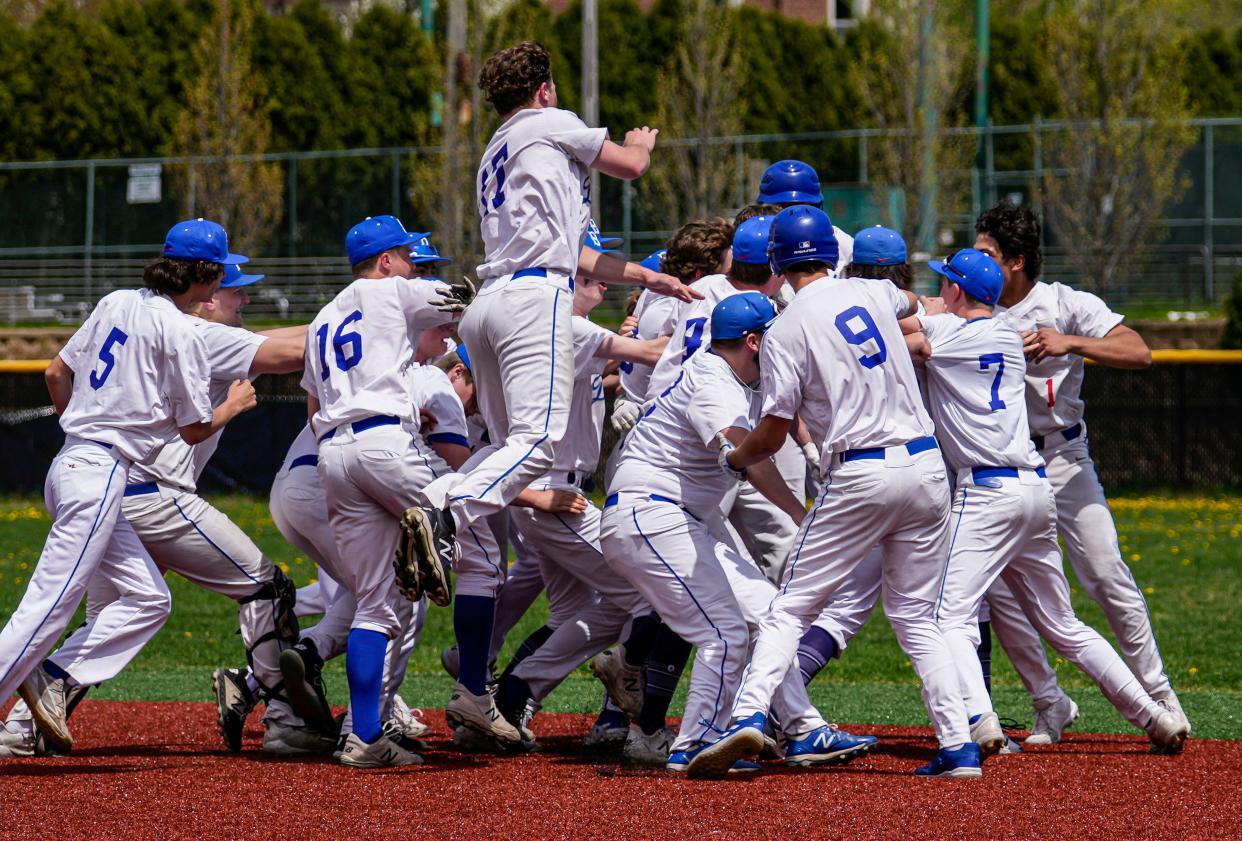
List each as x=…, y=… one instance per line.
x=520, y=338
x=765, y=530
x=854, y=600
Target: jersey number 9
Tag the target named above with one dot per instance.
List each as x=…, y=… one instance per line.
x=869, y=333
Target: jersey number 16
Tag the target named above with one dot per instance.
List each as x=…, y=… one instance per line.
x=347, y=345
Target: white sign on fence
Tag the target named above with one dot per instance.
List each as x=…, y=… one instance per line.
x=144, y=184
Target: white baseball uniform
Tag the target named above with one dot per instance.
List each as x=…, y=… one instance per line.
x=534, y=199
x=1003, y=520
x=836, y=356
x=657, y=316
x=664, y=532
x=140, y=372
x=567, y=545
x=1055, y=408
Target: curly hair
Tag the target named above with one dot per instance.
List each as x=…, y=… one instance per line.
x=750, y=211
x=901, y=274
x=698, y=249
x=1016, y=230
x=173, y=277
x=510, y=78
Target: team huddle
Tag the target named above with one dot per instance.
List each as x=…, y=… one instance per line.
x=799, y=435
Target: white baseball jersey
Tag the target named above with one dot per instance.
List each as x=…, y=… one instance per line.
x=230, y=353
x=360, y=349
x=657, y=316
x=431, y=389
x=672, y=451
x=1053, y=386
x=837, y=355
x=304, y=445
x=534, y=192
x=579, y=449
x=976, y=384
x=135, y=395
x=845, y=247
x=693, y=331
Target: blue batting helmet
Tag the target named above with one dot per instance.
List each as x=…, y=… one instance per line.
x=791, y=182
x=801, y=233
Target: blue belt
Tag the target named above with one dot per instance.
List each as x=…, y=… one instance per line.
x=612, y=500
x=978, y=474
x=536, y=272
x=103, y=444
x=139, y=490
x=304, y=461
x=365, y=424
x=1069, y=434
x=919, y=445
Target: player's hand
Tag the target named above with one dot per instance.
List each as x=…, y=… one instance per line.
x=1045, y=342
x=933, y=306
x=644, y=138
x=625, y=414
x=812, y=457
x=241, y=396
x=454, y=298
x=722, y=458
x=629, y=327
x=427, y=420
x=558, y=502
x=666, y=284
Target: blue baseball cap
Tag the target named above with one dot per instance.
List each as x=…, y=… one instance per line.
x=375, y=235
x=978, y=274
x=878, y=246
x=424, y=252
x=653, y=260
x=234, y=278
x=464, y=356
x=750, y=241
x=200, y=239
x=791, y=182
x=594, y=242
x=737, y=315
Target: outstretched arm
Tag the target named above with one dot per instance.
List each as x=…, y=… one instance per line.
x=1121, y=347
x=631, y=160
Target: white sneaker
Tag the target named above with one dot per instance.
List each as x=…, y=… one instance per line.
x=290, y=740
x=479, y=713
x=16, y=740
x=1168, y=732
x=1168, y=701
x=410, y=721
x=1009, y=748
x=382, y=753
x=987, y=734
x=1052, y=720
x=647, y=749
x=623, y=681
x=45, y=695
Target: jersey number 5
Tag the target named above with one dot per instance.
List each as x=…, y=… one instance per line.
x=498, y=170
x=116, y=337
x=869, y=333
x=347, y=346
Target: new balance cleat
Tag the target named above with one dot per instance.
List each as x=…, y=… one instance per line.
x=827, y=745
x=382, y=753
x=302, y=669
x=623, y=682
x=425, y=554
x=1052, y=720
x=289, y=740
x=609, y=731
x=1168, y=732
x=233, y=703
x=410, y=720
x=679, y=762
x=962, y=762
x=479, y=713
x=647, y=748
x=986, y=732
x=45, y=696
x=17, y=739
x=742, y=740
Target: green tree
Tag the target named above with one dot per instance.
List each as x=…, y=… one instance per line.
x=305, y=100
x=16, y=85
x=1211, y=61
x=393, y=72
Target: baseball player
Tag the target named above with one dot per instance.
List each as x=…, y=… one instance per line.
x=1061, y=327
x=134, y=376
x=828, y=359
x=534, y=202
x=359, y=350
x=1004, y=516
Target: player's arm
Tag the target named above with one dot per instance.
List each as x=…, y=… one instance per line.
x=767, y=479
x=919, y=347
x=556, y=501
x=59, y=379
x=241, y=398
x=761, y=443
x=627, y=349
x=298, y=330
x=628, y=161
x=609, y=269
x=454, y=454
x=312, y=409
x=1120, y=347
x=280, y=354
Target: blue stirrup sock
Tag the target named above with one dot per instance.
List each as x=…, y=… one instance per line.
x=815, y=649
x=364, y=668
x=472, y=621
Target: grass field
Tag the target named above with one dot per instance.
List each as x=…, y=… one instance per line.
x=1186, y=554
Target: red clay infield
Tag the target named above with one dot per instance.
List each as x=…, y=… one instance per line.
x=158, y=770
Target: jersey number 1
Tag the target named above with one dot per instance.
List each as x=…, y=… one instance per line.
x=347, y=346
x=116, y=337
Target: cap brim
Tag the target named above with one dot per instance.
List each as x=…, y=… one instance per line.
x=234, y=260
x=937, y=266
x=244, y=280
x=427, y=258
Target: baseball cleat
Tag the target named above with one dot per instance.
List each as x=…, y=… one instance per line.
x=45, y=696
x=1168, y=732
x=609, y=731
x=17, y=740
x=623, y=682
x=1009, y=748
x=411, y=720
x=679, y=762
x=382, y=753
x=233, y=703
x=289, y=740
x=1168, y=701
x=986, y=732
x=962, y=762
x=1052, y=720
x=827, y=745
x=425, y=553
x=302, y=670
x=647, y=748
x=743, y=739
x=479, y=713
